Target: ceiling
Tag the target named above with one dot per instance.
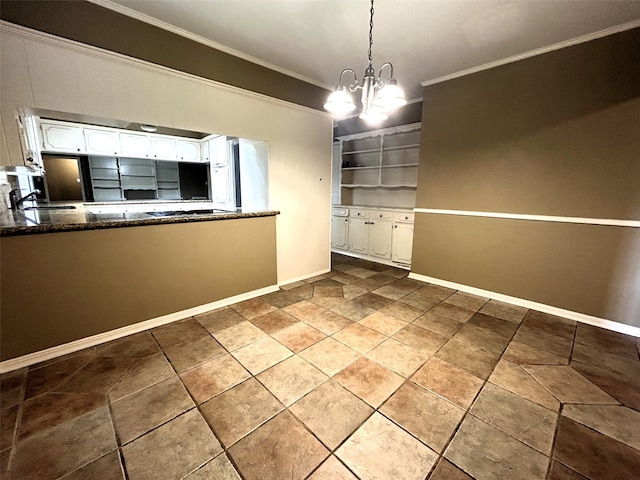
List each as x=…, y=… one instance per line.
x=424, y=39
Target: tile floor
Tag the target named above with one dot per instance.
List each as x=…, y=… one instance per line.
x=359, y=373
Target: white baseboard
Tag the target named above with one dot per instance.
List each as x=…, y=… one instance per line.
x=560, y=312
x=66, y=348
x=304, y=277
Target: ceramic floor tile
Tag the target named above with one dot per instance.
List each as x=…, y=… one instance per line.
x=299, y=336
x=330, y=356
x=512, y=377
x=607, y=340
x=383, y=323
x=435, y=292
x=282, y=298
x=524, y=420
x=420, y=338
x=361, y=272
x=43, y=379
x=437, y=323
x=220, y=319
x=98, y=376
x=303, y=291
x=453, y=312
x=557, y=471
x=328, y=302
x=445, y=470
x=624, y=389
x=524, y=354
x=381, y=450
x=618, y=422
x=213, y=377
x=543, y=340
x=136, y=414
x=344, y=278
x=471, y=359
x=179, y=447
x=372, y=300
x=505, y=311
x=327, y=282
x=148, y=371
x=567, y=385
x=291, y=379
x=328, y=322
x=593, y=454
x=274, y=321
x=327, y=291
x=291, y=286
x=467, y=300
x=370, y=381
x=238, y=336
x=406, y=284
x=607, y=361
x=192, y=353
x=482, y=338
x=50, y=409
x=136, y=345
x=178, y=332
x=500, y=328
x=332, y=469
x=487, y=453
x=425, y=415
x=448, y=381
x=107, y=467
x=353, y=310
x=331, y=412
x=253, y=308
x=220, y=468
x=54, y=452
x=352, y=291
x=237, y=412
x=304, y=310
x=261, y=354
x=391, y=292
x=398, y=357
x=403, y=311
x=8, y=419
x=281, y=448
x=559, y=326
x=359, y=337
x=416, y=300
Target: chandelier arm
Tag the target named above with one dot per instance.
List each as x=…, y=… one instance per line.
x=355, y=77
x=390, y=68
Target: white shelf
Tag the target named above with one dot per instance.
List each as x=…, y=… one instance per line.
x=400, y=147
x=403, y=165
x=356, y=152
x=353, y=185
x=373, y=167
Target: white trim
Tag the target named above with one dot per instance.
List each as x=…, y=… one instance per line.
x=533, y=53
x=66, y=348
x=205, y=41
x=541, y=218
x=71, y=45
x=409, y=127
x=304, y=277
x=560, y=312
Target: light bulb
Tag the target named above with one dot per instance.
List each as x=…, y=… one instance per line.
x=340, y=102
x=390, y=97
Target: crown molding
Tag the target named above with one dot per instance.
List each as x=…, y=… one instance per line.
x=197, y=38
x=534, y=53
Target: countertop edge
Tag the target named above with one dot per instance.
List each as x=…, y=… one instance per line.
x=99, y=225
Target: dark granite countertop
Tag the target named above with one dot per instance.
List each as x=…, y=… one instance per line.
x=37, y=221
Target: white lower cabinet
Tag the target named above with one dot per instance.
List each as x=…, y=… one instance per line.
x=339, y=232
x=402, y=243
x=380, y=238
x=359, y=235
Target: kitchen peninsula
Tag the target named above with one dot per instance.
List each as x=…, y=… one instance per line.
x=69, y=274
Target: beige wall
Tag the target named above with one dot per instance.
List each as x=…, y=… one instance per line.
x=553, y=135
x=61, y=287
x=53, y=74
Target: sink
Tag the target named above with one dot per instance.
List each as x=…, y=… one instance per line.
x=59, y=207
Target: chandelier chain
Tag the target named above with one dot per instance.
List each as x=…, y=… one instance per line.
x=371, y=35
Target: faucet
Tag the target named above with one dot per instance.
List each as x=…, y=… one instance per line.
x=16, y=202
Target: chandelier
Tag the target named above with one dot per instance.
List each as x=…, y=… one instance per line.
x=379, y=96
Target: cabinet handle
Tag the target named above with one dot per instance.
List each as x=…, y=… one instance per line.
x=395, y=226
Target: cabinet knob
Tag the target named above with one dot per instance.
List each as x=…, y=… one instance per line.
x=380, y=216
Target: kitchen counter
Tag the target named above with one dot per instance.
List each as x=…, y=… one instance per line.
x=85, y=217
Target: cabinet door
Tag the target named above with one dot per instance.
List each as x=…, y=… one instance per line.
x=163, y=148
x=339, y=232
x=220, y=186
x=101, y=142
x=402, y=242
x=218, y=151
x=188, y=150
x=359, y=235
x=62, y=138
x=134, y=145
x=380, y=238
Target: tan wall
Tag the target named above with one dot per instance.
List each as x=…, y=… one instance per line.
x=553, y=135
x=61, y=287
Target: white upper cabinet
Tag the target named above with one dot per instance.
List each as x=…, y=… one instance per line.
x=60, y=137
x=188, y=150
x=218, y=151
x=163, y=148
x=135, y=145
x=101, y=142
